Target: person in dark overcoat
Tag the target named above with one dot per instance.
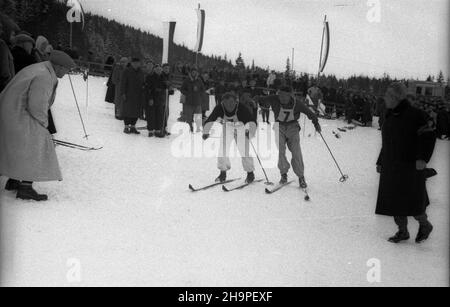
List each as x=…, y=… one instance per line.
x=407, y=146
x=132, y=90
x=116, y=78
x=155, y=92
x=220, y=90
x=111, y=88
x=207, y=83
x=193, y=89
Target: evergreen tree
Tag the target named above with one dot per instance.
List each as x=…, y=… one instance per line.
x=440, y=78
x=240, y=62
x=288, y=67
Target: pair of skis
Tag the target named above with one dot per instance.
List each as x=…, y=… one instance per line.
x=244, y=185
x=224, y=187
x=282, y=185
x=75, y=146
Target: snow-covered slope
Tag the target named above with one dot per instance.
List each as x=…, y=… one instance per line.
x=124, y=216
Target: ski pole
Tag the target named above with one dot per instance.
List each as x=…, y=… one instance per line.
x=260, y=163
x=87, y=93
x=78, y=108
x=344, y=178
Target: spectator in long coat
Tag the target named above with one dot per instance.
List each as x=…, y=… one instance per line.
x=155, y=92
x=22, y=52
x=193, y=89
x=407, y=147
x=111, y=88
x=220, y=90
x=132, y=90
x=380, y=111
x=8, y=30
x=116, y=78
x=168, y=79
x=443, y=122
x=205, y=102
x=367, y=117
x=27, y=152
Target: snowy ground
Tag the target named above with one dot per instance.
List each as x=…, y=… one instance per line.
x=123, y=216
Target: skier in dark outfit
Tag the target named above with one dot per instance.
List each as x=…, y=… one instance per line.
x=407, y=147
x=238, y=126
x=287, y=109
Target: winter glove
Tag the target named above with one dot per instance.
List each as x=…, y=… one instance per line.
x=379, y=169
x=317, y=126
x=247, y=134
x=151, y=102
x=205, y=136
x=421, y=165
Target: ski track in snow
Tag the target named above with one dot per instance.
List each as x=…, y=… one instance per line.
x=125, y=213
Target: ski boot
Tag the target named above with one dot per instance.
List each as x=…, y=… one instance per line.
x=284, y=179
x=250, y=178
x=127, y=130
x=133, y=130
x=399, y=237
x=151, y=134
x=302, y=182
x=26, y=192
x=424, y=233
x=12, y=185
x=222, y=177
x=160, y=134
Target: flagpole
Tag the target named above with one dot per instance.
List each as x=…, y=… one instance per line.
x=71, y=35
x=293, y=55
x=321, y=49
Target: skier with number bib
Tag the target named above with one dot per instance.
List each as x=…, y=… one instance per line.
x=287, y=109
x=238, y=126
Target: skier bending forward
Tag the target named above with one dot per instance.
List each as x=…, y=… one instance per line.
x=237, y=126
x=287, y=109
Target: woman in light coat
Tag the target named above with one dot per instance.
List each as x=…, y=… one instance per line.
x=27, y=152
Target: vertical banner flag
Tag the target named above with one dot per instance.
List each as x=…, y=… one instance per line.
x=168, y=33
x=76, y=12
x=326, y=44
x=200, y=29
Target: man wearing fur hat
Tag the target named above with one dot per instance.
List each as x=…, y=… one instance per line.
x=27, y=152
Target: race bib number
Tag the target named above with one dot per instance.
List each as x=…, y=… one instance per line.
x=286, y=116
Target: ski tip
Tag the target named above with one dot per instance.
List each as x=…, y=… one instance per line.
x=268, y=191
x=224, y=188
x=191, y=188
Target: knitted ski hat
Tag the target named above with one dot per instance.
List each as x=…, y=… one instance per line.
x=62, y=59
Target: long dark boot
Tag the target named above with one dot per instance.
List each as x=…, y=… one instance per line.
x=425, y=229
x=12, y=185
x=26, y=192
x=402, y=234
